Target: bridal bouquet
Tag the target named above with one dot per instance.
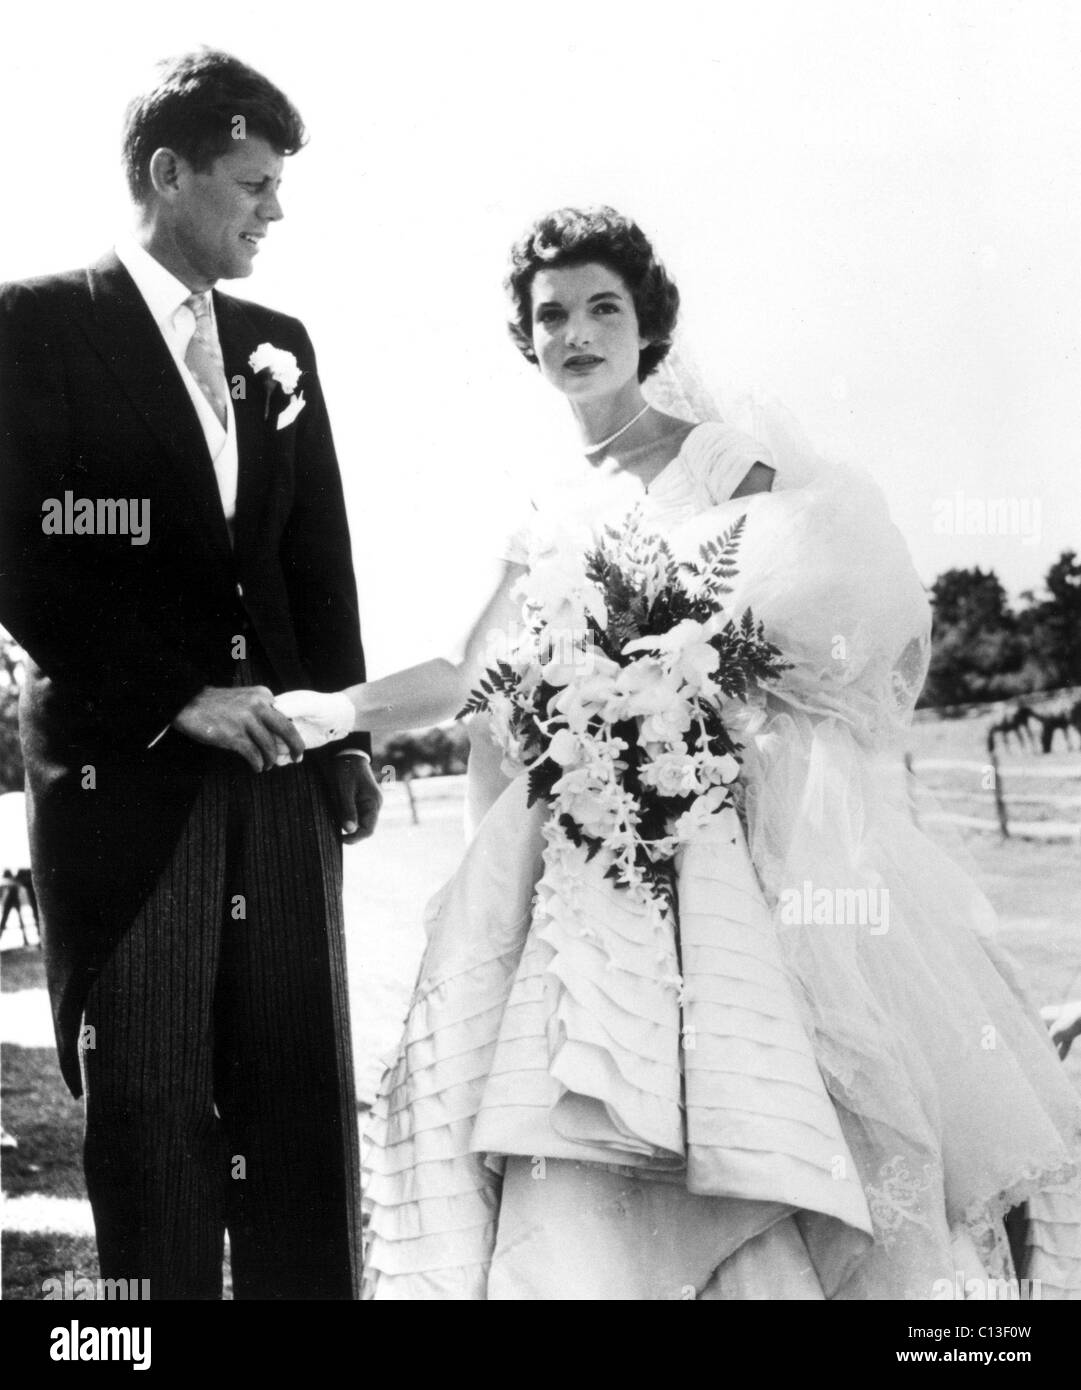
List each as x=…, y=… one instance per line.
x=613, y=696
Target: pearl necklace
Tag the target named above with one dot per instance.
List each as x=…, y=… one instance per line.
x=596, y=448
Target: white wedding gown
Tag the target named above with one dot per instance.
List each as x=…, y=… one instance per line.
x=820, y=1111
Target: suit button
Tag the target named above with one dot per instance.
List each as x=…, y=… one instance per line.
x=240, y=591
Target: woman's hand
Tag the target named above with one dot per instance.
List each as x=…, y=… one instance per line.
x=318, y=718
x=1064, y=1021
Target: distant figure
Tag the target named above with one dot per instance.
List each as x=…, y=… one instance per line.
x=14, y=885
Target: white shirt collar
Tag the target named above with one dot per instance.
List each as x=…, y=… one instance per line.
x=162, y=291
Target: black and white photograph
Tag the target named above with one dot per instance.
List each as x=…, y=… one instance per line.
x=540, y=660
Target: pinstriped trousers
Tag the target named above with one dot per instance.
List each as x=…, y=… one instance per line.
x=219, y=1083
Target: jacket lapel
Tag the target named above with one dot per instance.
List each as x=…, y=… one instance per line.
x=239, y=339
x=125, y=334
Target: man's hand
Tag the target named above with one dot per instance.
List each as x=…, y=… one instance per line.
x=241, y=719
x=358, y=795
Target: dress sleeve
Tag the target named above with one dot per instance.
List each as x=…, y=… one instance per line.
x=719, y=457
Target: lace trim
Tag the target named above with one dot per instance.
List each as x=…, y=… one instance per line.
x=987, y=1211
x=897, y=1198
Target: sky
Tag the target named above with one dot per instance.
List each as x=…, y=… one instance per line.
x=873, y=212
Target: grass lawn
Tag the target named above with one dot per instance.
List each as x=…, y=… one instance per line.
x=31, y=1257
x=40, y=1112
x=48, y=1122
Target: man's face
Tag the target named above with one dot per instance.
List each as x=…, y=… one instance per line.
x=221, y=215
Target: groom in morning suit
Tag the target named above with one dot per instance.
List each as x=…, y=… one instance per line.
x=188, y=863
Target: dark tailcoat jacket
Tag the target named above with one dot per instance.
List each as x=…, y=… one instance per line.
x=121, y=636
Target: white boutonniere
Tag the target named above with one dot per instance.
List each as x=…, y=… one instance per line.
x=277, y=368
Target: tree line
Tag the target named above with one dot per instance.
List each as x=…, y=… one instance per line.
x=985, y=649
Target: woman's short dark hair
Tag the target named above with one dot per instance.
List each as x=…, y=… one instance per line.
x=193, y=107
x=577, y=236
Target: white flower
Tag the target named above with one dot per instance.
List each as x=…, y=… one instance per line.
x=575, y=782
x=643, y=687
x=604, y=751
x=281, y=365
x=663, y=849
x=698, y=815
x=599, y=810
x=565, y=748
x=573, y=709
x=557, y=588
x=673, y=774
x=597, y=681
x=685, y=651
x=669, y=724
x=587, y=688
x=722, y=768
x=695, y=664
x=570, y=655
x=521, y=655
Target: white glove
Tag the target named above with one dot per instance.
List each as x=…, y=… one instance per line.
x=318, y=718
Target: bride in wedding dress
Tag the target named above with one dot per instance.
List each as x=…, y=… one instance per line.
x=825, y=1086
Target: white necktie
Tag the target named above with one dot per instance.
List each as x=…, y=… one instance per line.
x=203, y=357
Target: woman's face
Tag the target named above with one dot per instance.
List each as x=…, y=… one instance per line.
x=585, y=330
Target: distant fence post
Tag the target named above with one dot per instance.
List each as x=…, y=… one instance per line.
x=407, y=782
x=1000, y=803
x=1009, y=825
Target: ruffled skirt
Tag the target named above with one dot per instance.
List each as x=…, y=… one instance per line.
x=796, y=1110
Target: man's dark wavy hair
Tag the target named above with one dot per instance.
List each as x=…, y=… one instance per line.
x=191, y=109
x=576, y=236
